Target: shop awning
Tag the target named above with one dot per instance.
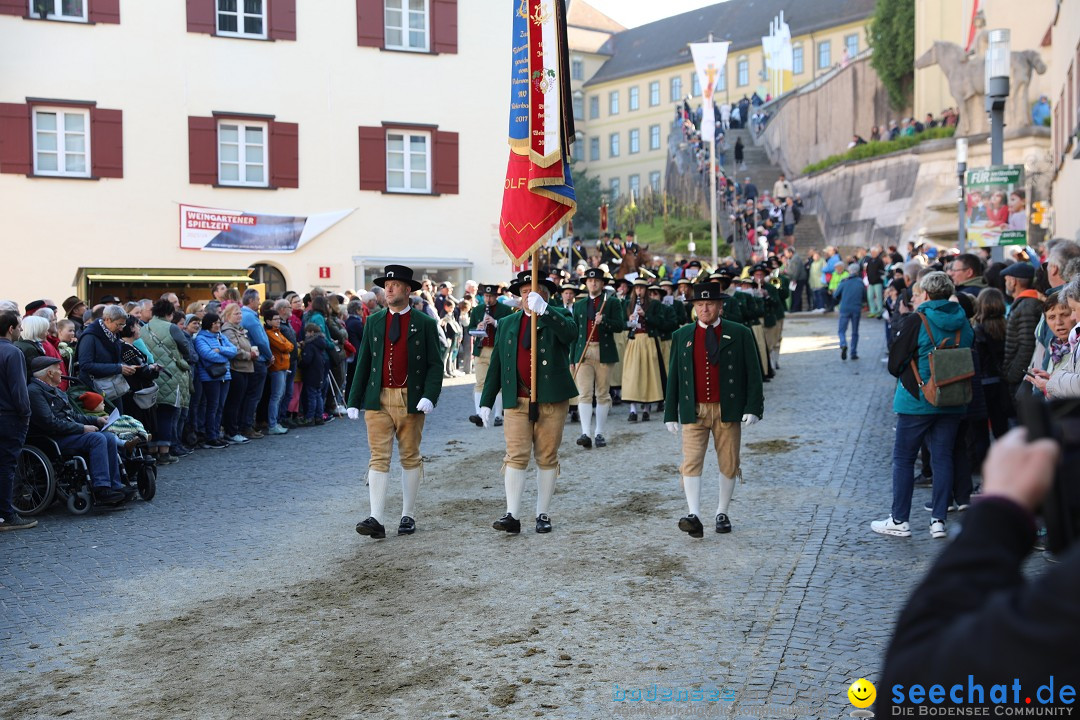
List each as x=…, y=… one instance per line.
x=161, y=275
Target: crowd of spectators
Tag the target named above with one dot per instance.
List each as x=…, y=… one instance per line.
x=907, y=127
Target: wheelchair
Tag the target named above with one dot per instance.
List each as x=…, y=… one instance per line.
x=45, y=475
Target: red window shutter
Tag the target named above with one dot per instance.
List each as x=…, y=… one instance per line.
x=15, y=147
x=14, y=7
x=106, y=143
x=284, y=155
x=282, y=19
x=372, y=158
x=104, y=11
x=202, y=151
x=370, y=23
x=445, y=163
x=444, y=26
x=200, y=16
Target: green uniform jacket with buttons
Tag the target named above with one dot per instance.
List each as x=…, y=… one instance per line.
x=659, y=318
x=611, y=322
x=753, y=308
x=773, y=305
x=425, y=362
x=555, y=335
x=740, y=376
x=733, y=308
x=498, y=312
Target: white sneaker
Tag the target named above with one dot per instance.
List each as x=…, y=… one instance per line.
x=888, y=527
x=237, y=439
x=277, y=430
x=937, y=529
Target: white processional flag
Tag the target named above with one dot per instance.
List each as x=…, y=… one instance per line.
x=709, y=61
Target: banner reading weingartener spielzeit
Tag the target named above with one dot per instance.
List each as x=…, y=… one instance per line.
x=203, y=228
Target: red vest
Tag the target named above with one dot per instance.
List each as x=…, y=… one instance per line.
x=706, y=375
x=589, y=323
x=396, y=356
x=489, y=339
x=524, y=360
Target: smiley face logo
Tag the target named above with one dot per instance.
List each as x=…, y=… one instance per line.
x=862, y=693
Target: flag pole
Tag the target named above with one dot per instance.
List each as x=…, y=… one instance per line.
x=534, y=407
x=712, y=173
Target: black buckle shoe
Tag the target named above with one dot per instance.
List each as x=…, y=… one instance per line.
x=475, y=420
x=645, y=416
x=632, y=417
x=599, y=440
x=584, y=441
x=723, y=525
x=407, y=526
x=507, y=523
x=692, y=526
x=498, y=421
x=543, y=523
x=371, y=527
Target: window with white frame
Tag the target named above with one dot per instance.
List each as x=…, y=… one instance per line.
x=70, y=10
x=594, y=107
x=654, y=180
x=721, y=79
x=613, y=102
x=635, y=185
x=407, y=25
x=62, y=142
x=408, y=161
x=695, y=84
x=851, y=42
x=743, y=68
x=824, y=54
x=594, y=149
x=613, y=145
x=241, y=18
x=635, y=103
x=797, y=60
x=654, y=93
x=635, y=141
x=242, y=153
x=654, y=137
x=615, y=190
x=577, y=69
x=676, y=89
x=579, y=105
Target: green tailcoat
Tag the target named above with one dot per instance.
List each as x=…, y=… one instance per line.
x=425, y=362
x=740, y=376
x=498, y=312
x=611, y=321
x=555, y=335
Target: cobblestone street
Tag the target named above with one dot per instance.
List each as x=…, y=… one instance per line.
x=243, y=591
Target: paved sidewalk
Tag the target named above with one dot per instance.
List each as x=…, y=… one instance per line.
x=243, y=591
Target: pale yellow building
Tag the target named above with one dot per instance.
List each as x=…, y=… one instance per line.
x=1064, y=93
x=629, y=103
x=114, y=115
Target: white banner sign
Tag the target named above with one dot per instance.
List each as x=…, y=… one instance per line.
x=709, y=61
x=203, y=228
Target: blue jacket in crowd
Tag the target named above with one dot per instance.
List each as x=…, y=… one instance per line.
x=99, y=357
x=251, y=322
x=852, y=294
x=945, y=317
x=213, y=348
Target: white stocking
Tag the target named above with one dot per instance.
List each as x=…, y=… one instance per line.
x=692, y=488
x=545, y=488
x=514, y=481
x=410, y=483
x=585, y=413
x=727, y=487
x=377, y=481
x=601, y=417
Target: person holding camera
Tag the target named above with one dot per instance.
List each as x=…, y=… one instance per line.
x=974, y=619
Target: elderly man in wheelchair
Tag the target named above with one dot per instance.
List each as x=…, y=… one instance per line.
x=52, y=415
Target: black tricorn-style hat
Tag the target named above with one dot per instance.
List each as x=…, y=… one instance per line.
x=596, y=273
x=707, y=291
x=694, y=264
x=490, y=289
x=525, y=277
x=398, y=272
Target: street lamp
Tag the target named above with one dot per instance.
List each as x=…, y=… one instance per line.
x=961, y=169
x=998, y=57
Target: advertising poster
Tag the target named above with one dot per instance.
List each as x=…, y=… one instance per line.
x=203, y=228
x=996, y=206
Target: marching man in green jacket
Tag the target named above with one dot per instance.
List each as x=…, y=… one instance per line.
x=714, y=390
x=398, y=378
x=599, y=318
x=510, y=371
x=484, y=318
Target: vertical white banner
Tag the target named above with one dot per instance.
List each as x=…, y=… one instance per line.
x=709, y=61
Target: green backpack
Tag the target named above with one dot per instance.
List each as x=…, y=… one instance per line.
x=951, y=370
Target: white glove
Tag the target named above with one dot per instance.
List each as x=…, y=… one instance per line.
x=633, y=324
x=536, y=303
x=485, y=416
x=669, y=300
x=748, y=419
x=353, y=413
x=672, y=427
x=425, y=406
x=513, y=301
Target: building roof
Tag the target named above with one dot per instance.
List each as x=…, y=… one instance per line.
x=663, y=43
x=583, y=15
